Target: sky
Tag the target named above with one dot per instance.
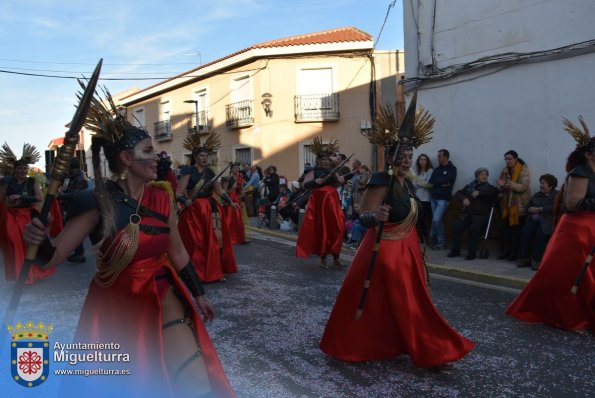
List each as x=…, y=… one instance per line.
x=150, y=40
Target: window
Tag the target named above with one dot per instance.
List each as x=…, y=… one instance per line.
x=201, y=118
x=239, y=113
x=243, y=155
x=139, y=117
x=163, y=126
x=306, y=156
x=316, y=98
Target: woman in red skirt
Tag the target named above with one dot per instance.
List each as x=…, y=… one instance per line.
x=233, y=186
x=19, y=194
x=202, y=224
x=548, y=298
x=399, y=317
x=145, y=293
x=323, y=228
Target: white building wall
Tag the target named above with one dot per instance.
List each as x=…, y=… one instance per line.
x=483, y=113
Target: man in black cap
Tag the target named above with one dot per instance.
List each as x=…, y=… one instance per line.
x=476, y=200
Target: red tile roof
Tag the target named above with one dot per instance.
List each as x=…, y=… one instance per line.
x=338, y=35
x=326, y=36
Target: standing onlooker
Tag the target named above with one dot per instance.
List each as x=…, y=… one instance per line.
x=76, y=183
x=539, y=226
x=421, y=177
x=476, y=199
x=358, y=184
x=514, y=182
x=164, y=171
x=272, y=183
x=442, y=180
x=251, y=189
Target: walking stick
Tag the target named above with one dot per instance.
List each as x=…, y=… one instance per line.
x=405, y=132
x=581, y=274
x=59, y=170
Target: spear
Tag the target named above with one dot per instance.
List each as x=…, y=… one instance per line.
x=59, y=170
x=325, y=178
x=208, y=184
x=405, y=133
x=581, y=274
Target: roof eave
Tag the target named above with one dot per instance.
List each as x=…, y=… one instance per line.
x=242, y=58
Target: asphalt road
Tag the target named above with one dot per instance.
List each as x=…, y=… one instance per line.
x=271, y=315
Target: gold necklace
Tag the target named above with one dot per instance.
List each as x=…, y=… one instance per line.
x=111, y=262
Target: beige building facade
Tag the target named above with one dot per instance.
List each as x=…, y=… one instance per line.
x=268, y=102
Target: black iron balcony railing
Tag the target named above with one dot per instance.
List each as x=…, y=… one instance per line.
x=315, y=107
x=200, y=120
x=239, y=114
x=163, y=131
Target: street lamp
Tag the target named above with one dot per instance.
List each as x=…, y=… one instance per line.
x=195, y=102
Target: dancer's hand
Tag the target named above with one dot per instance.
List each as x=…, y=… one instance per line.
x=208, y=312
x=35, y=232
x=381, y=214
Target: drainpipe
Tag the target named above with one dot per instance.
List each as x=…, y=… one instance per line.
x=372, y=104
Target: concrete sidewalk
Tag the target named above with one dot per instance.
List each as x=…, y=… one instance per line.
x=490, y=270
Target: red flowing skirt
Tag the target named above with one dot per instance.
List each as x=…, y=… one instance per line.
x=228, y=258
x=235, y=221
x=198, y=235
x=12, y=226
x=129, y=313
x=398, y=317
x=323, y=228
x=547, y=297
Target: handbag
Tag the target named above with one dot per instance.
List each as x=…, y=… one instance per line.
x=286, y=225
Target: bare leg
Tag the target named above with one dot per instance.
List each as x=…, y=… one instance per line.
x=183, y=356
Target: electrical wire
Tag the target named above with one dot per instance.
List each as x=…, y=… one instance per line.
x=503, y=59
x=391, y=5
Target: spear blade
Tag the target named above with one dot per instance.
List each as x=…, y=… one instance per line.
x=59, y=169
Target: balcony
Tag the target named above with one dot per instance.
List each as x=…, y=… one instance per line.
x=239, y=114
x=163, y=131
x=316, y=107
x=200, y=122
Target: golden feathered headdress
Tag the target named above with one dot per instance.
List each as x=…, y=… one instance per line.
x=582, y=137
x=210, y=145
x=8, y=160
x=112, y=131
x=323, y=150
x=385, y=132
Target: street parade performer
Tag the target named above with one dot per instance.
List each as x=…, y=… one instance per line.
x=142, y=294
x=20, y=195
x=233, y=186
x=550, y=297
x=202, y=224
x=323, y=228
x=399, y=316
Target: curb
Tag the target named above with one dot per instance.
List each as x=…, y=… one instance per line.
x=478, y=276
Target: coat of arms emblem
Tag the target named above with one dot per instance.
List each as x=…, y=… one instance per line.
x=29, y=353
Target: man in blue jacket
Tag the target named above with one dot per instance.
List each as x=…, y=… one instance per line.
x=442, y=180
